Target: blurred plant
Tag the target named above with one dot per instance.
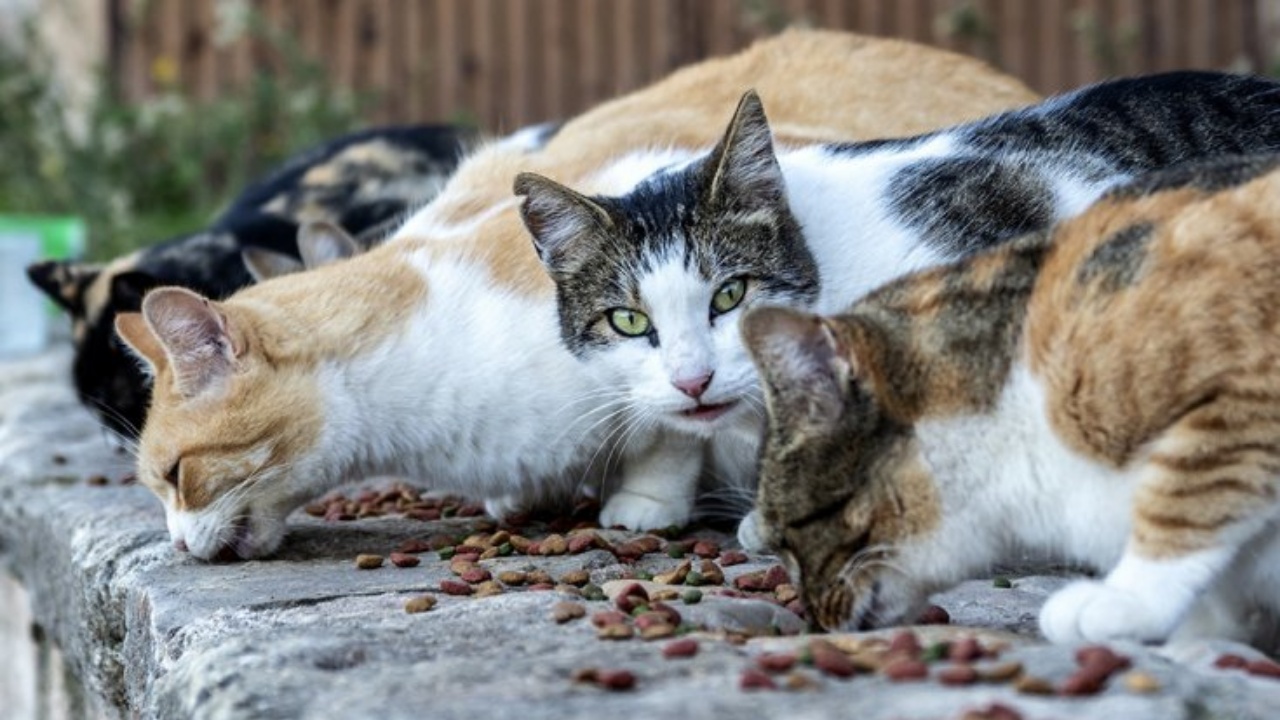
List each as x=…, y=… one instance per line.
x=142, y=171
x=1111, y=47
x=966, y=24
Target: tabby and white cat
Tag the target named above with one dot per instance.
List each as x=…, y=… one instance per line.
x=651, y=284
x=435, y=355
x=1106, y=392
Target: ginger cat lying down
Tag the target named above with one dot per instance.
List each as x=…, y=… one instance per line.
x=437, y=355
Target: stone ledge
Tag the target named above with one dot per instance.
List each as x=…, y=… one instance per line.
x=146, y=632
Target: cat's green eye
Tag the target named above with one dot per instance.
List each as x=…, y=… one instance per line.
x=628, y=322
x=729, y=295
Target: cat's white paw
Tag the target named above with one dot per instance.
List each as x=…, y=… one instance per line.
x=750, y=536
x=503, y=507
x=641, y=512
x=1091, y=611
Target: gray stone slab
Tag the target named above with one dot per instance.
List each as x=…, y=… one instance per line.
x=147, y=632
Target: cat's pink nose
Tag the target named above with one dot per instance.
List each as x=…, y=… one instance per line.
x=694, y=386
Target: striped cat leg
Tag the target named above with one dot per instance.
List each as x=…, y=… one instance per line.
x=1207, y=490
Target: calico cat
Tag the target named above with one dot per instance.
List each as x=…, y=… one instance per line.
x=1105, y=391
x=364, y=181
x=435, y=355
x=651, y=284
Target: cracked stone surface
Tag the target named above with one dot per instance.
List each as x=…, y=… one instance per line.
x=147, y=632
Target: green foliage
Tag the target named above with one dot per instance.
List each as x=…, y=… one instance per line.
x=139, y=172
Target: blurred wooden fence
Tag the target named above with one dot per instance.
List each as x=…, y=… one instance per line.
x=506, y=63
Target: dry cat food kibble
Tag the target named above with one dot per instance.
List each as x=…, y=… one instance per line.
x=934, y=615
x=368, y=561
x=1260, y=668
x=905, y=669
x=753, y=679
x=831, y=660
x=733, y=557
x=1141, y=682
x=420, y=604
x=958, y=675
x=994, y=711
x=454, y=587
x=1097, y=664
x=776, y=662
x=607, y=679
x=563, y=612
x=404, y=560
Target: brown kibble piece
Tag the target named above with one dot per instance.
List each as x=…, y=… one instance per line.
x=657, y=631
x=1033, y=685
x=676, y=576
x=753, y=679
x=665, y=595
x=619, y=631
x=553, y=545
x=563, y=612
x=1230, y=662
x=368, y=561
x=539, y=577
x=414, y=546
x=581, y=543
x=1081, y=682
x=488, y=588
x=682, y=648
x=733, y=557
x=1101, y=658
x=577, y=578
x=799, y=681
x=404, y=560
x=512, y=577
x=669, y=613
x=785, y=593
x=520, y=544
x=453, y=587
x=420, y=604
x=1000, y=672
x=711, y=573
x=958, y=675
x=705, y=549
x=905, y=644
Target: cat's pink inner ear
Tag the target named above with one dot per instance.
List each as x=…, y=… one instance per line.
x=135, y=332
x=789, y=343
x=195, y=336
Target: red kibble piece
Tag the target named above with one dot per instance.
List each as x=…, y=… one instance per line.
x=469, y=550
x=906, y=644
x=608, y=617
x=615, y=679
x=1101, y=658
x=776, y=662
x=423, y=514
x=1230, y=662
x=732, y=557
x=829, y=659
x=671, y=615
x=539, y=587
x=994, y=711
x=904, y=669
x=466, y=557
x=476, y=575
x=1264, y=668
x=753, y=679
x=705, y=549
x=934, y=615
x=470, y=511
x=631, y=597
x=1082, y=682
x=965, y=650
x=797, y=606
x=958, y=675
x=453, y=587
x=404, y=560
x=682, y=648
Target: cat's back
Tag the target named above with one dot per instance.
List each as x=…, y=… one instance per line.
x=1164, y=295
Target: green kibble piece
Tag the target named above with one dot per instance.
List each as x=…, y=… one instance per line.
x=447, y=552
x=936, y=651
x=805, y=656
x=1001, y=582
x=644, y=575
x=692, y=597
x=449, y=511
x=505, y=549
x=591, y=591
x=639, y=610
x=676, y=550
x=694, y=579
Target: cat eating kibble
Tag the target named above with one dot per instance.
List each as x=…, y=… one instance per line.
x=1105, y=391
x=435, y=355
x=651, y=284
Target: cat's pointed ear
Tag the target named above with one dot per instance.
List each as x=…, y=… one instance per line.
x=264, y=264
x=742, y=170
x=64, y=282
x=198, y=341
x=557, y=217
x=804, y=367
x=132, y=328
x=321, y=242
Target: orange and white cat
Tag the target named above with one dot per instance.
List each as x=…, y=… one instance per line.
x=1107, y=393
x=436, y=355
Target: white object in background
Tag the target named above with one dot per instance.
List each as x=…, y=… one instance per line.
x=23, y=319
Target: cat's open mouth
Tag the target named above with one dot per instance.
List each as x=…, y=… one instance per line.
x=708, y=412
